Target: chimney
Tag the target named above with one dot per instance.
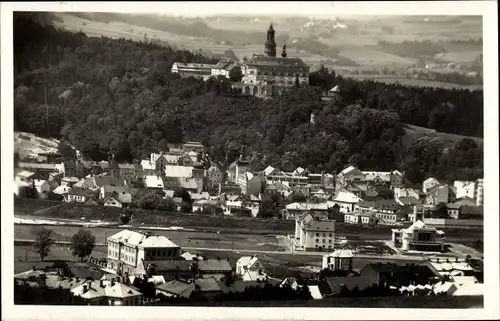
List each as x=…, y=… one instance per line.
x=34, y=268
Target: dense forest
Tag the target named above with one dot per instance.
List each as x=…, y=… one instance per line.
x=118, y=96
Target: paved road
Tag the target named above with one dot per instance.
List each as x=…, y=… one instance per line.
x=385, y=257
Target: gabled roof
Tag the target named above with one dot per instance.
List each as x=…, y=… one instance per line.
x=341, y=253
x=214, y=265
x=177, y=287
x=153, y=181
x=207, y=285
x=178, y=171
x=346, y=197
x=25, y=174
x=247, y=261
x=80, y=192
x=108, y=180
x=269, y=170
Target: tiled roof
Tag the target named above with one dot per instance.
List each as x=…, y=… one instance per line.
x=80, y=192
x=342, y=253
x=116, y=290
x=334, y=284
x=208, y=285
x=472, y=210
x=178, y=171
x=177, y=287
x=152, y=181
x=307, y=206
x=247, y=261
x=409, y=200
x=323, y=226
x=158, y=241
x=173, y=265
x=214, y=265
x=346, y=197
x=126, y=166
x=108, y=180
x=25, y=174
x=37, y=166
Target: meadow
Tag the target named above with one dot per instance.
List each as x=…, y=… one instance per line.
x=394, y=79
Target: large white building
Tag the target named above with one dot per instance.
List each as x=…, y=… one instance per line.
x=419, y=237
x=313, y=234
x=126, y=249
x=250, y=268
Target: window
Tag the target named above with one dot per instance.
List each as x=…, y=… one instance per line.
x=324, y=241
x=329, y=234
x=317, y=240
x=317, y=234
x=330, y=241
x=324, y=234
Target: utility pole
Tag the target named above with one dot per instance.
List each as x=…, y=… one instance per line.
x=26, y=256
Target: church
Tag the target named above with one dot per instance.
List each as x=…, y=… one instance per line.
x=267, y=75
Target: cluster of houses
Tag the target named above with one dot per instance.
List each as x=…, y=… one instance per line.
x=352, y=196
x=177, y=274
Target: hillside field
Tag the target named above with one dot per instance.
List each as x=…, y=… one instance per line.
x=416, y=131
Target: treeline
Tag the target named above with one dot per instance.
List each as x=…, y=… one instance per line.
x=427, y=48
x=118, y=96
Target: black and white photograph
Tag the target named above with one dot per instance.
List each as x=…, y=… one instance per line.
x=278, y=155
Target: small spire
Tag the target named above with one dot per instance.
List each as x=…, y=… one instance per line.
x=271, y=26
x=283, y=53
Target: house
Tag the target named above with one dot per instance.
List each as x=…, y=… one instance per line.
x=148, y=167
x=62, y=190
x=104, y=292
x=108, y=190
x=43, y=187
x=94, y=183
x=465, y=189
x=69, y=181
x=192, y=69
x=387, y=211
x=176, y=289
x=313, y=234
x=340, y=259
x=130, y=171
x=419, y=237
x=452, y=266
x=361, y=217
x=346, y=200
x=79, y=195
x=215, y=175
x=350, y=176
x=116, y=199
x=193, y=147
x=323, y=179
x=126, y=249
x=223, y=67
x=214, y=267
x=333, y=286
x=41, y=171
x=398, y=274
x=440, y=194
x=249, y=268
x=295, y=210
x=76, y=168
x=153, y=182
x=25, y=176
x=176, y=171
x=429, y=183
x=458, y=211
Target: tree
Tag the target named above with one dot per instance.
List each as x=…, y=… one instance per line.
x=124, y=218
x=67, y=151
x=43, y=243
x=229, y=53
x=82, y=243
x=235, y=74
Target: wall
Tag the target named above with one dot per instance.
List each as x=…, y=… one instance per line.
x=454, y=223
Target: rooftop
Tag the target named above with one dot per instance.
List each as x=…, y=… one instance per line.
x=276, y=62
x=138, y=239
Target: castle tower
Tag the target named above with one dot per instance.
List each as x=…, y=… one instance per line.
x=270, y=43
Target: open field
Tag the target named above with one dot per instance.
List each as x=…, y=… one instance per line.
x=460, y=56
x=402, y=80
x=181, y=238
x=28, y=144
x=417, y=131
x=376, y=58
